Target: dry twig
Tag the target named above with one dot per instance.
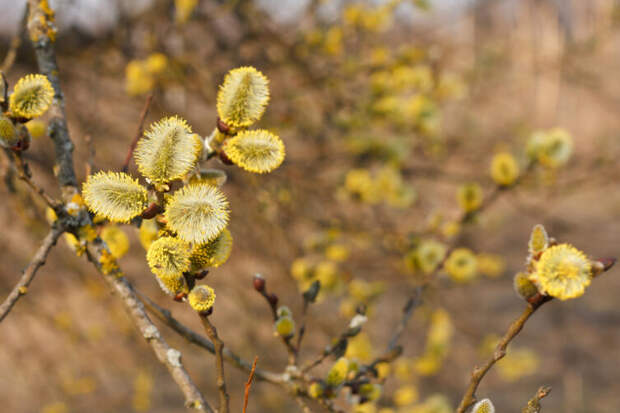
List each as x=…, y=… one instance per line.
x=31, y=270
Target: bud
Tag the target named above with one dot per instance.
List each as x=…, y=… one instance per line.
x=222, y=126
x=601, y=265
x=370, y=391
x=259, y=283
x=311, y=293
x=338, y=373
x=285, y=327
x=201, y=298
x=523, y=286
x=284, y=311
x=316, y=390
x=273, y=299
x=539, y=240
x=484, y=406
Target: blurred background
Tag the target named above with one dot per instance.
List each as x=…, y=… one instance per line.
x=386, y=108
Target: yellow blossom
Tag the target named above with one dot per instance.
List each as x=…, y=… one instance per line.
x=114, y=195
x=197, y=213
x=242, y=97
x=31, y=97
x=461, y=265
x=504, y=169
x=563, y=272
x=201, y=298
x=168, y=150
x=469, y=197
x=257, y=151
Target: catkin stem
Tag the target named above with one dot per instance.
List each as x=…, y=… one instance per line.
x=219, y=362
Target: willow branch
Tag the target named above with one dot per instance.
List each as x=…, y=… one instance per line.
x=167, y=355
x=219, y=362
x=500, y=351
x=191, y=336
x=31, y=270
x=41, y=30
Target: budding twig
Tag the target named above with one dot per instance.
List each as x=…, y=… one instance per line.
x=533, y=405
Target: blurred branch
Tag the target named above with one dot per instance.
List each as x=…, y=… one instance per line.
x=533, y=405
x=168, y=356
x=31, y=270
x=411, y=304
x=219, y=362
x=16, y=42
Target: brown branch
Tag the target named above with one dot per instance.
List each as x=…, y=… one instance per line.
x=31, y=270
x=168, y=356
x=533, y=405
x=42, y=33
x=134, y=142
x=26, y=176
x=478, y=373
x=219, y=362
x=166, y=317
x=248, y=385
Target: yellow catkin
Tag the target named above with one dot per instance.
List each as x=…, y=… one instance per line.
x=32, y=96
x=257, y=151
x=461, y=265
x=201, y=298
x=504, y=169
x=168, y=256
x=168, y=150
x=484, y=406
x=197, y=213
x=116, y=196
x=469, y=197
x=8, y=132
x=242, y=97
x=563, y=272
x=213, y=253
x=338, y=372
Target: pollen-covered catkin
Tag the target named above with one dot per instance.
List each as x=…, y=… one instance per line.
x=31, y=97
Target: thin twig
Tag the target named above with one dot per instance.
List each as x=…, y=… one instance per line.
x=219, y=362
x=411, y=304
x=533, y=405
x=134, y=142
x=248, y=385
x=31, y=270
x=26, y=176
x=500, y=351
x=167, y=355
x=191, y=336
